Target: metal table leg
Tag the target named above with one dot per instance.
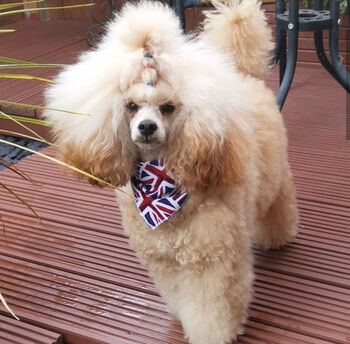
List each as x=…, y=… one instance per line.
x=280, y=7
x=293, y=31
x=320, y=52
x=339, y=69
x=283, y=54
x=180, y=12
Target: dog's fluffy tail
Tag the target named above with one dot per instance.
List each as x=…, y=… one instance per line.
x=240, y=27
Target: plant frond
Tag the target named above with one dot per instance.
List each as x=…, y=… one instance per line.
x=30, y=65
x=59, y=162
x=42, y=9
x=14, y=169
x=7, y=31
x=17, y=4
x=26, y=120
x=3, y=301
x=22, y=76
x=20, y=199
x=38, y=138
x=11, y=60
x=39, y=107
x=15, y=63
x=23, y=126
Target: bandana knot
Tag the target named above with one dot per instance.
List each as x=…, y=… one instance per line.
x=156, y=195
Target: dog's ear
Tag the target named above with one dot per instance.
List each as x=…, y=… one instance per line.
x=98, y=140
x=104, y=153
x=204, y=155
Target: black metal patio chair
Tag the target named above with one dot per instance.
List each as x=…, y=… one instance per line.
x=316, y=20
x=294, y=21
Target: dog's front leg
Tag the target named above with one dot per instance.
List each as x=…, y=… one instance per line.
x=212, y=304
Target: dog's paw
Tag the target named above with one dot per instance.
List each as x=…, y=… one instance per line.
x=275, y=245
x=275, y=239
x=278, y=243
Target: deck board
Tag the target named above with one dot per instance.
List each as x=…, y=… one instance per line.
x=18, y=332
x=74, y=273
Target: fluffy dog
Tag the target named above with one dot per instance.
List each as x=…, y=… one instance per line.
x=197, y=104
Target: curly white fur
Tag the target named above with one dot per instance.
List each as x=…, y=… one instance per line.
x=223, y=141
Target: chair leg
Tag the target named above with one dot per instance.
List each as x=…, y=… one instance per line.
x=276, y=54
x=321, y=54
x=169, y=3
x=342, y=76
x=276, y=51
x=293, y=30
x=283, y=54
x=180, y=12
x=280, y=7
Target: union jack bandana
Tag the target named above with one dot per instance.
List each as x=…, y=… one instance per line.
x=156, y=195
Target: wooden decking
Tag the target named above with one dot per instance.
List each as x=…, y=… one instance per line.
x=15, y=332
x=42, y=42
x=73, y=273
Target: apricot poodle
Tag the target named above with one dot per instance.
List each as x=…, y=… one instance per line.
x=188, y=132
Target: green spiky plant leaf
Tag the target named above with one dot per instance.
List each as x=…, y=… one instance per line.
x=59, y=162
x=23, y=76
x=26, y=120
x=10, y=63
x=30, y=65
x=15, y=63
x=38, y=9
x=32, y=106
x=18, y=4
x=10, y=60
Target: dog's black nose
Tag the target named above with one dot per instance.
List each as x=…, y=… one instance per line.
x=147, y=127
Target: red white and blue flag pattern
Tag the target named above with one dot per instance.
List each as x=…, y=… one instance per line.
x=156, y=195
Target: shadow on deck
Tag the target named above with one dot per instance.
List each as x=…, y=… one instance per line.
x=73, y=272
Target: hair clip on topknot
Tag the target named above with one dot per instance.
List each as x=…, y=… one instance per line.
x=149, y=74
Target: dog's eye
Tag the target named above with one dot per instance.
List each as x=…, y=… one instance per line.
x=132, y=107
x=167, y=109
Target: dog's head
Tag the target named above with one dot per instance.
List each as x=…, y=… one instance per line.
x=150, y=110
x=151, y=93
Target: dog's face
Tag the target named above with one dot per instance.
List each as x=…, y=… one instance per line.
x=150, y=114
